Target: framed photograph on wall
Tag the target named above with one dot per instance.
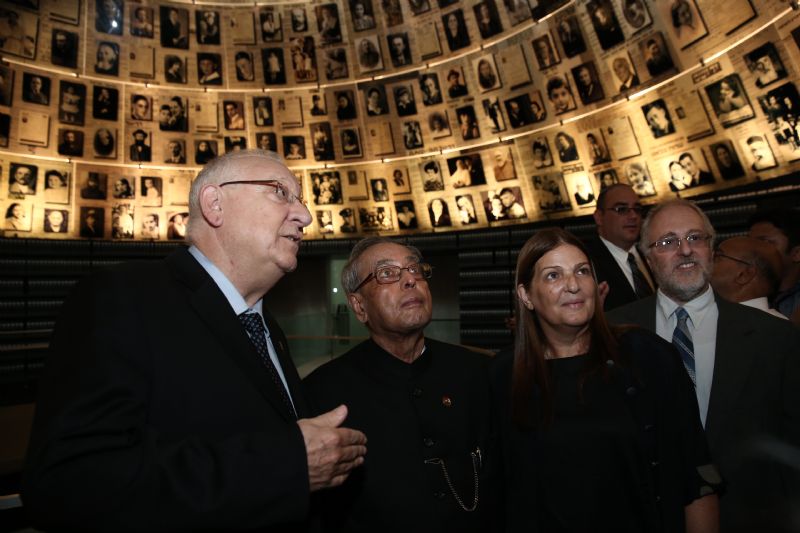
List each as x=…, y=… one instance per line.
x=729, y=100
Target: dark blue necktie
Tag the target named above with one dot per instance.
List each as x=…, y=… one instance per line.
x=682, y=340
x=640, y=285
x=254, y=325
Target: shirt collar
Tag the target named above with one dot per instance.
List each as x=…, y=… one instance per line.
x=235, y=299
x=696, y=308
x=616, y=251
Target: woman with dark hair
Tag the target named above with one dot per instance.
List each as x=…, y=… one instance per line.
x=599, y=426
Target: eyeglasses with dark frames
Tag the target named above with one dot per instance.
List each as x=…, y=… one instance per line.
x=672, y=243
x=384, y=275
x=718, y=253
x=283, y=194
x=623, y=210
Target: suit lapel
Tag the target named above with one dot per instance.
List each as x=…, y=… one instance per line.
x=293, y=380
x=211, y=306
x=734, y=355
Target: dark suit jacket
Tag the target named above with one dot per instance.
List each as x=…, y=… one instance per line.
x=607, y=269
x=755, y=402
x=156, y=414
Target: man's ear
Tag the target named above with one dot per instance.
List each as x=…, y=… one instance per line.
x=598, y=217
x=211, y=205
x=794, y=254
x=357, y=305
x=746, y=275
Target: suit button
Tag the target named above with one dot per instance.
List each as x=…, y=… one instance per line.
x=417, y=392
x=428, y=442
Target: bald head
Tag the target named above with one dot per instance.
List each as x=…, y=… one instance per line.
x=745, y=268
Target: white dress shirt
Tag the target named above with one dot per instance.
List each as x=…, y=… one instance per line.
x=621, y=257
x=702, y=324
x=762, y=304
x=239, y=306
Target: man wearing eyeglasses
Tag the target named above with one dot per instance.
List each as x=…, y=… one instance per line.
x=747, y=271
x=196, y=421
x=423, y=404
x=744, y=363
x=616, y=260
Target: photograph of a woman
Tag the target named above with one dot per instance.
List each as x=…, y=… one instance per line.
x=730, y=101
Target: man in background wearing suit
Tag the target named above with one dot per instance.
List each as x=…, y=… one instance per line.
x=166, y=404
x=613, y=251
x=745, y=365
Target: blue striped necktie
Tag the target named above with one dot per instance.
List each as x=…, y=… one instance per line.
x=254, y=325
x=682, y=340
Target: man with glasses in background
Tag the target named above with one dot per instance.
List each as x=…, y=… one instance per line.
x=423, y=405
x=745, y=365
x=169, y=399
x=616, y=260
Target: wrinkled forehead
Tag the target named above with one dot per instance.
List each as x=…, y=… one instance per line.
x=260, y=168
x=386, y=254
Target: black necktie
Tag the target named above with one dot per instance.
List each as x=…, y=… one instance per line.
x=640, y=285
x=254, y=325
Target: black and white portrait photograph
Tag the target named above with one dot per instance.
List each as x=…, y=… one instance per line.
x=205, y=151
x=298, y=19
x=322, y=141
x=319, y=106
x=325, y=222
x=245, y=68
x=92, y=222
x=504, y=204
x=542, y=156
x=328, y=24
x=347, y=219
x=209, y=68
x=56, y=220
x=545, y=51
x=71, y=103
x=150, y=228
x=636, y=14
x=326, y=188
x=487, y=18
x=262, y=111
x=105, y=103
x=304, y=58
x=274, y=66
x=625, y=75
x=105, y=143
x=108, y=16
x=392, y=12
x=70, y=142
x=559, y=93
x=174, y=27
x=493, y=112
x=455, y=30
x=465, y=207
x=432, y=179
x=64, y=48
x=294, y=147
x=173, y=114
x=729, y=100
x=404, y=100
x=765, y=64
x=207, y=23
x=362, y=15
x=375, y=218
x=466, y=171
x=380, y=190
x=345, y=105
x=639, y=178
x=150, y=191
x=658, y=118
x=580, y=188
x=368, y=50
x=175, y=152
x=19, y=32
x=107, y=58
x=605, y=23
x=486, y=72
x=518, y=11
x=174, y=69
x=399, y=49
x=124, y=188
x=656, y=55
x=19, y=216
x=122, y=220
x=93, y=185
x=5, y=129
x=587, y=81
x=686, y=25
x=606, y=178
x=406, y=214
x=688, y=169
x=6, y=85
x=430, y=88
x=233, y=113
x=439, y=124
x=456, y=86
x=351, y=142
x=551, y=192
x=412, y=135
x=439, y=213
x=597, y=148
x=335, y=63
x=399, y=183
x=267, y=141
x=467, y=122
x=758, y=153
x=235, y=143
x=727, y=160
x=141, y=21
x=571, y=36
x=22, y=180
x=35, y=88
x=140, y=150
x=782, y=108
x=566, y=147
x=518, y=111
x=375, y=99
x=270, y=24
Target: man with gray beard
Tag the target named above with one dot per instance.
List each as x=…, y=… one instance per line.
x=745, y=365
